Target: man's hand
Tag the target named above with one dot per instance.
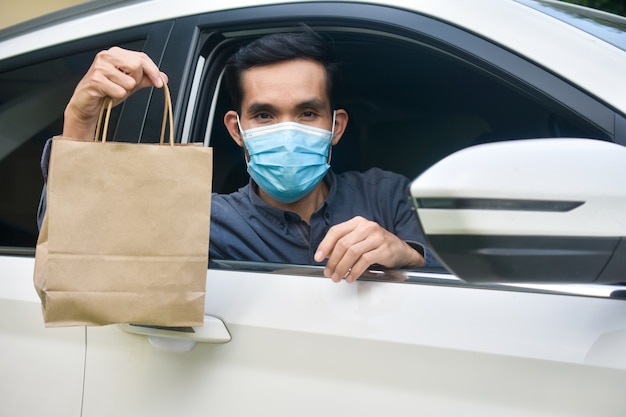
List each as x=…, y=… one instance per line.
x=351, y=247
x=115, y=73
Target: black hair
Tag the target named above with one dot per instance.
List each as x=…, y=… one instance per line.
x=279, y=47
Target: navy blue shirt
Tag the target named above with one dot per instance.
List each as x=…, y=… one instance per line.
x=246, y=228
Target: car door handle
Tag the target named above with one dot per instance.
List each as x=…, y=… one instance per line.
x=182, y=338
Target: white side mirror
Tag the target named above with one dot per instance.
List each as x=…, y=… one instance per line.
x=542, y=210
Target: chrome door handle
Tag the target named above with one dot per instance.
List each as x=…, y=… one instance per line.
x=169, y=338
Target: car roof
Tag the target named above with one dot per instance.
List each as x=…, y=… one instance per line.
x=564, y=49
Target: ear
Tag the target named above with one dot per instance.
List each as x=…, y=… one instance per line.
x=341, y=122
x=230, y=121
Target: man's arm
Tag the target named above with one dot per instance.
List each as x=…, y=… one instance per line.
x=115, y=73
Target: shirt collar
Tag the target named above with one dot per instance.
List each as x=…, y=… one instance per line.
x=279, y=216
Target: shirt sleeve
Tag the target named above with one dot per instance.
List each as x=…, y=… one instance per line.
x=45, y=159
x=45, y=163
x=406, y=224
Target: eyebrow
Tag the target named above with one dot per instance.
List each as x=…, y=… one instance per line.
x=261, y=107
x=257, y=107
x=312, y=104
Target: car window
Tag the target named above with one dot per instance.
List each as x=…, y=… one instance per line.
x=410, y=102
x=610, y=28
x=410, y=106
x=33, y=98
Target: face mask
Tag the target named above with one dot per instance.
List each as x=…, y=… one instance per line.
x=287, y=160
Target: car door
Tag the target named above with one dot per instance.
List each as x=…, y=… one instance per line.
x=284, y=340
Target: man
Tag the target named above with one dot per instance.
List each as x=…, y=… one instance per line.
x=293, y=210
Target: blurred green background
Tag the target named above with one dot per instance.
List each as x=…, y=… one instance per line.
x=613, y=6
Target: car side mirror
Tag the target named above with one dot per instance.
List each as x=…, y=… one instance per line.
x=539, y=210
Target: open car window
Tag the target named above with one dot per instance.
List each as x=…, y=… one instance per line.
x=411, y=100
x=410, y=105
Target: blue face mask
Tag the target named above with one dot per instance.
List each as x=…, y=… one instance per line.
x=287, y=160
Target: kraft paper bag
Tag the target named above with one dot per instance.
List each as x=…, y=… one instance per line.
x=125, y=236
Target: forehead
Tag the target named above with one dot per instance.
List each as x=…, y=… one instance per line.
x=284, y=83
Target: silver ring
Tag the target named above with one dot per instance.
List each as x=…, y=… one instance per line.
x=347, y=273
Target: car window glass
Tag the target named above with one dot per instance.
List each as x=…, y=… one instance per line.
x=31, y=111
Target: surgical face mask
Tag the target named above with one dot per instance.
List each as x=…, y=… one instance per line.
x=287, y=160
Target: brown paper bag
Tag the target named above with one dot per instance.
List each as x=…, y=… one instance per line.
x=125, y=236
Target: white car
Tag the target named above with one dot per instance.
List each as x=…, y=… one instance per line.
x=528, y=318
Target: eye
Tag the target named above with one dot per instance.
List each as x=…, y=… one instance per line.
x=263, y=116
x=309, y=114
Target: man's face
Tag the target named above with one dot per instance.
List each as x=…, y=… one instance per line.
x=289, y=91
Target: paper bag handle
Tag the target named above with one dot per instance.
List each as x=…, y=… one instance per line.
x=105, y=115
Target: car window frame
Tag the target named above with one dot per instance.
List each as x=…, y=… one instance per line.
x=475, y=50
x=162, y=38
x=485, y=54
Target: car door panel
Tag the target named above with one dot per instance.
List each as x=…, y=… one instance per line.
x=306, y=346
x=45, y=365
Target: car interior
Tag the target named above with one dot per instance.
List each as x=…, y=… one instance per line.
x=410, y=103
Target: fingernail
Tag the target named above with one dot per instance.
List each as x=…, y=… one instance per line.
x=159, y=82
x=319, y=256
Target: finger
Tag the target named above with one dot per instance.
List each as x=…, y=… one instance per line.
x=119, y=64
x=335, y=233
x=117, y=85
x=349, y=248
x=151, y=76
x=392, y=253
x=164, y=79
x=377, y=246
x=357, y=261
x=333, y=237
x=344, y=255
